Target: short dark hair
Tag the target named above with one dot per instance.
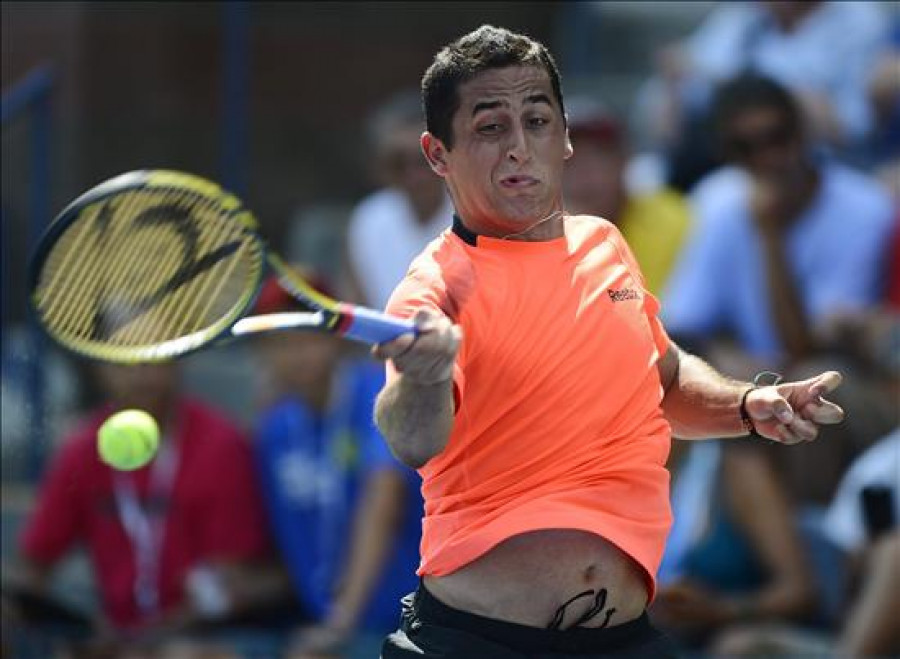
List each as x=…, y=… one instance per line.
x=488, y=47
x=752, y=91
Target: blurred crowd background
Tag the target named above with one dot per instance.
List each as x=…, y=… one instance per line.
x=750, y=153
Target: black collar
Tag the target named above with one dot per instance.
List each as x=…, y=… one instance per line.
x=465, y=234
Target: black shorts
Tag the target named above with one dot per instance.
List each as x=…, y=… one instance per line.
x=430, y=628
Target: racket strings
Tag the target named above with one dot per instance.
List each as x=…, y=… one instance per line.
x=95, y=294
x=184, y=286
x=233, y=272
x=110, y=291
x=158, y=264
x=214, y=285
x=166, y=317
x=157, y=319
x=71, y=266
x=73, y=309
x=145, y=267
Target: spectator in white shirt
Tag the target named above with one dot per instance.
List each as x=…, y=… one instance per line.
x=390, y=227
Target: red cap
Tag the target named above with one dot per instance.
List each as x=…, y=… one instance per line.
x=591, y=119
x=273, y=298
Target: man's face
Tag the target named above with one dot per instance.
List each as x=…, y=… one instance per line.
x=504, y=171
x=763, y=141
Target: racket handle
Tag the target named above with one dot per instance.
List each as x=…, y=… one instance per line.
x=368, y=326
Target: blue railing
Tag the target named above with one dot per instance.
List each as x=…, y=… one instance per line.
x=235, y=95
x=31, y=97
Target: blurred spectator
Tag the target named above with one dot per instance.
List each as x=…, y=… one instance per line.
x=733, y=554
x=892, y=297
x=176, y=546
x=655, y=224
x=862, y=522
x=884, y=98
x=390, y=226
x=867, y=503
x=347, y=515
x=784, y=243
x=884, y=93
x=801, y=238
x=822, y=51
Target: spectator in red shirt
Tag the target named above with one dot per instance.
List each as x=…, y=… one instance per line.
x=174, y=544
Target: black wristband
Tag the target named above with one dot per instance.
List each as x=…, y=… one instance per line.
x=758, y=382
x=745, y=416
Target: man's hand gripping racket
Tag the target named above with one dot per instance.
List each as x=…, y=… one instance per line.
x=154, y=264
x=426, y=357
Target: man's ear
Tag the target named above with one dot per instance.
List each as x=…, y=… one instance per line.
x=435, y=153
x=569, y=150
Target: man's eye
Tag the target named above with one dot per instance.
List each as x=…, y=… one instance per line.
x=489, y=128
x=538, y=121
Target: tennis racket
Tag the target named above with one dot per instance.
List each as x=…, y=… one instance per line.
x=154, y=264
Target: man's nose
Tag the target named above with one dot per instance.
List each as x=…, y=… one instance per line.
x=518, y=147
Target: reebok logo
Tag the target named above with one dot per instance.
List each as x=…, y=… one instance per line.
x=623, y=294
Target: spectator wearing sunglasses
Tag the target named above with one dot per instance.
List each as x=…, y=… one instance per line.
x=800, y=236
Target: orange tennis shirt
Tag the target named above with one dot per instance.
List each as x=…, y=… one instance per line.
x=558, y=422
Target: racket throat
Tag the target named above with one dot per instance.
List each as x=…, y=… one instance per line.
x=274, y=322
x=341, y=320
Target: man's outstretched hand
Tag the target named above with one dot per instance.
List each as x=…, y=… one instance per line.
x=792, y=412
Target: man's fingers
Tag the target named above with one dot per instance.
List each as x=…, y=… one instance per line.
x=825, y=383
x=767, y=403
x=807, y=398
x=425, y=322
x=823, y=411
x=782, y=411
x=428, y=357
x=790, y=413
x=391, y=349
x=785, y=435
x=802, y=429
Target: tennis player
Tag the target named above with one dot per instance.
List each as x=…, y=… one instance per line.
x=540, y=396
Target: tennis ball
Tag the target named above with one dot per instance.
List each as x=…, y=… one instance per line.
x=128, y=440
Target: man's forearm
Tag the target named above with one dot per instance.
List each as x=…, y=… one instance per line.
x=701, y=402
x=415, y=419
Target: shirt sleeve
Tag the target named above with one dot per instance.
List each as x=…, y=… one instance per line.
x=419, y=291
x=860, y=267
x=58, y=518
